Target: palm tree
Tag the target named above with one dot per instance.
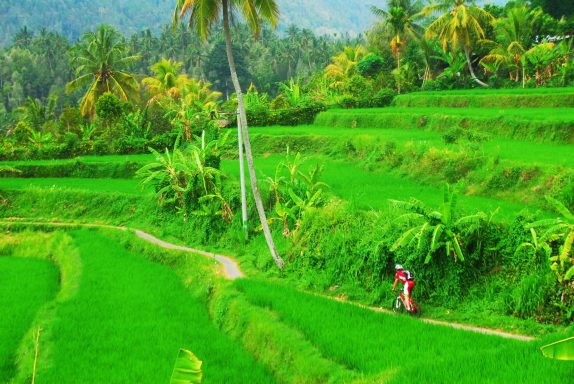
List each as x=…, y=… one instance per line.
x=514, y=35
x=166, y=82
x=197, y=91
x=344, y=63
x=101, y=66
x=458, y=27
x=401, y=18
x=37, y=114
x=203, y=14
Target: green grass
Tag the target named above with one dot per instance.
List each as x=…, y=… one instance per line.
x=128, y=320
x=519, y=98
x=127, y=186
x=505, y=91
x=397, y=347
x=143, y=158
x=372, y=190
x=25, y=285
x=526, y=152
x=518, y=114
x=529, y=124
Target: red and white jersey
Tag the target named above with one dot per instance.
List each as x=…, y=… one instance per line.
x=401, y=276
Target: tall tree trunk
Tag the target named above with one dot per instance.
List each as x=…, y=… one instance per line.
x=468, y=61
x=246, y=142
x=398, y=71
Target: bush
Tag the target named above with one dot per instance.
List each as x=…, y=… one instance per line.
x=383, y=98
x=304, y=114
x=371, y=65
x=280, y=102
x=108, y=108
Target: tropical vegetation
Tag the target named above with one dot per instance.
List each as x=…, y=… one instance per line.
x=441, y=139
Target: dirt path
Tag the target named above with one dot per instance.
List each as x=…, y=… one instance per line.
x=470, y=328
x=232, y=271
x=231, y=268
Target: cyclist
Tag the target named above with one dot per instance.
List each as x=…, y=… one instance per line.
x=409, y=284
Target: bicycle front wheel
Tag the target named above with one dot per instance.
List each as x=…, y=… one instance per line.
x=398, y=306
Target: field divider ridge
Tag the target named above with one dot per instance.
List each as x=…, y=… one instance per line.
x=469, y=328
x=231, y=267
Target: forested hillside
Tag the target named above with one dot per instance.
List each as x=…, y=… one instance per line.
x=72, y=17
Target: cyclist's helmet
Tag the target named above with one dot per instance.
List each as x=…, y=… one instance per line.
x=398, y=267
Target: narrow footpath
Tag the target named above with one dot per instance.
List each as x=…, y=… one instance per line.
x=232, y=270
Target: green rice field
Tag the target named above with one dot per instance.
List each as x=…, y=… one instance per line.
x=128, y=327
x=125, y=186
x=372, y=190
x=25, y=285
x=391, y=348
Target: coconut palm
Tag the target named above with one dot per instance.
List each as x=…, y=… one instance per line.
x=401, y=17
x=101, y=67
x=36, y=114
x=198, y=91
x=166, y=82
x=344, y=63
x=514, y=35
x=459, y=27
x=203, y=15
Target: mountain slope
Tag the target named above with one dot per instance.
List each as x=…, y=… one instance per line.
x=72, y=17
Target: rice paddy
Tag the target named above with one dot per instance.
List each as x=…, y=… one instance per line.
x=131, y=313
x=395, y=348
x=25, y=285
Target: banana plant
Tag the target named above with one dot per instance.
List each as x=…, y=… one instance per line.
x=434, y=229
x=557, y=231
x=187, y=369
x=39, y=139
x=560, y=350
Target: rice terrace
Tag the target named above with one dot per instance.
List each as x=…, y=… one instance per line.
x=272, y=191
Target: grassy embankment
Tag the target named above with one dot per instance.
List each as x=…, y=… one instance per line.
x=496, y=98
x=364, y=189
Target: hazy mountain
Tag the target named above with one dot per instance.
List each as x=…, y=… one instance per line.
x=72, y=17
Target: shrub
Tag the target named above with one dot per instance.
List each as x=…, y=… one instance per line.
x=108, y=108
x=383, y=98
x=304, y=114
x=280, y=102
x=371, y=65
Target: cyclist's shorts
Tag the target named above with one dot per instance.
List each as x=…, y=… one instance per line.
x=409, y=284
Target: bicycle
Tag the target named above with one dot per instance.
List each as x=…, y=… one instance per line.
x=399, y=306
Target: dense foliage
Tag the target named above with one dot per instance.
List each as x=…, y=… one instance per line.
x=109, y=94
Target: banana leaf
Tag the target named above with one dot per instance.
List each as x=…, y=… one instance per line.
x=560, y=350
x=187, y=369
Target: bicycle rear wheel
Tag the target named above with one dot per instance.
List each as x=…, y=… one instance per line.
x=416, y=310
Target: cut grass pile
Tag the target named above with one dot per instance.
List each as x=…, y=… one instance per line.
x=25, y=285
x=393, y=348
x=128, y=320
